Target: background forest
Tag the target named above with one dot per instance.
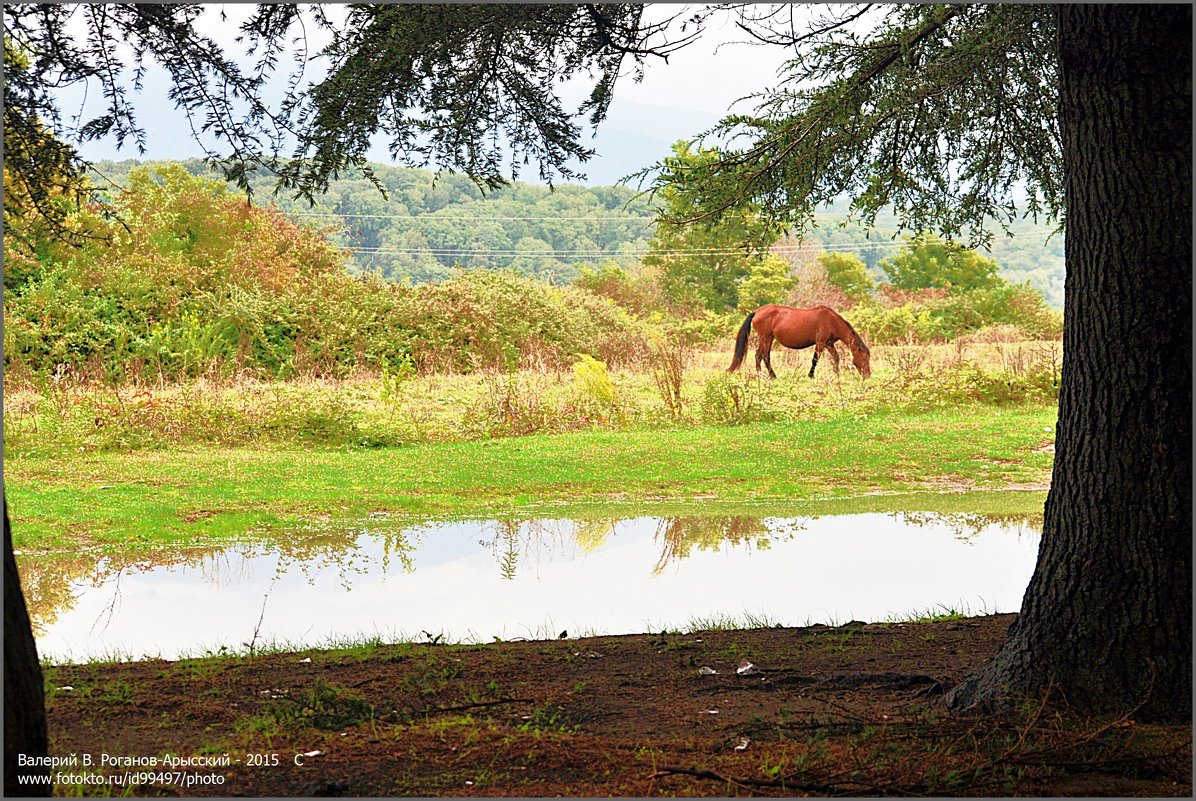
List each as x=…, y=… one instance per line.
x=427, y=224
x=179, y=276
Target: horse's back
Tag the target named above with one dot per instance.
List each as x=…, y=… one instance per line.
x=798, y=317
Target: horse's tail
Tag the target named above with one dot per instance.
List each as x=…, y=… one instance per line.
x=741, y=341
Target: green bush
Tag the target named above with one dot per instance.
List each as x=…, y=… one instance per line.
x=939, y=319
x=500, y=318
x=200, y=283
x=732, y=399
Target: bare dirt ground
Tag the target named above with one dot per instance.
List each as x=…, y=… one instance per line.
x=849, y=710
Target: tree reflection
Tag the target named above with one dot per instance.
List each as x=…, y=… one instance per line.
x=532, y=542
x=52, y=581
x=678, y=536
x=967, y=526
x=529, y=541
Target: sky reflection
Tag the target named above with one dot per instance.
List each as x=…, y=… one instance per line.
x=476, y=580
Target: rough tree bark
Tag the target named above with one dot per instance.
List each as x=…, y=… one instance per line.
x=1106, y=621
x=24, y=697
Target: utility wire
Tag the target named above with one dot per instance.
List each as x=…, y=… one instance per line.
x=485, y=218
x=831, y=247
x=450, y=249
x=592, y=253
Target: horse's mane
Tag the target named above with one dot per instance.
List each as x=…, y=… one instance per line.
x=857, y=340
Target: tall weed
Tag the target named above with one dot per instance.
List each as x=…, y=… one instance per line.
x=668, y=357
x=511, y=405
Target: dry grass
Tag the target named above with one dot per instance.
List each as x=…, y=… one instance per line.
x=671, y=385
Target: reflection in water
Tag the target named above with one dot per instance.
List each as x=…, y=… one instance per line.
x=679, y=535
x=531, y=541
x=526, y=578
x=966, y=526
x=53, y=583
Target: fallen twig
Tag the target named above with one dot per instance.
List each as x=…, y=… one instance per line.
x=479, y=704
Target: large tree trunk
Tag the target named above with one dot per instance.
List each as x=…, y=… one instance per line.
x=1106, y=622
x=24, y=697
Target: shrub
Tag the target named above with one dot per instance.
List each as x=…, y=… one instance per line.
x=596, y=393
x=492, y=318
x=732, y=400
x=637, y=293
x=940, y=317
x=203, y=284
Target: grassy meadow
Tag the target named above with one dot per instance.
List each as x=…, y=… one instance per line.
x=204, y=368
x=216, y=458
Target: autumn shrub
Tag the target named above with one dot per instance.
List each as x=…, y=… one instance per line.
x=482, y=319
x=936, y=316
x=194, y=281
x=639, y=293
x=187, y=276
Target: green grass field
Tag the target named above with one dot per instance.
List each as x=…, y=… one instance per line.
x=193, y=495
x=181, y=465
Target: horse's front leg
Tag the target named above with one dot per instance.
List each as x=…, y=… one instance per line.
x=829, y=347
x=817, y=352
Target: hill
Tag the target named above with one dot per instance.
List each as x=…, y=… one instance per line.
x=428, y=224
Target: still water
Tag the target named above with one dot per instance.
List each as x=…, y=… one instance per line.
x=473, y=581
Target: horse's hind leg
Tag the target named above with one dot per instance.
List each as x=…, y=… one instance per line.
x=764, y=354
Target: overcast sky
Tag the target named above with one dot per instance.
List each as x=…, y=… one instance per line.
x=709, y=74
x=706, y=78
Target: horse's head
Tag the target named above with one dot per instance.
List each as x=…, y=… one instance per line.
x=862, y=359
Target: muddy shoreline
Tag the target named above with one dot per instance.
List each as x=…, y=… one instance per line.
x=853, y=709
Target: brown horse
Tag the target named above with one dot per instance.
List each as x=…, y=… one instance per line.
x=820, y=326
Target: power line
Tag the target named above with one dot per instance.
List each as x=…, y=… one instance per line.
x=547, y=253
x=847, y=246
x=479, y=252
x=725, y=251
x=487, y=218
x=502, y=218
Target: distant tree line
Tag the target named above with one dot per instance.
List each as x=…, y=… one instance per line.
x=427, y=225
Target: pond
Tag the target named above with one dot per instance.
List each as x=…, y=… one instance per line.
x=474, y=581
